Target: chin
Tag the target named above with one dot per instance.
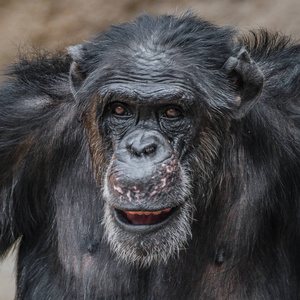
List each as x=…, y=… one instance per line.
x=144, y=238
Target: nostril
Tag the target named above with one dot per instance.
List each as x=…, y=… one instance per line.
x=142, y=150
x=151, y=149
x=132, y=150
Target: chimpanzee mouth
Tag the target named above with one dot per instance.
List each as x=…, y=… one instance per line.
x=143, y=219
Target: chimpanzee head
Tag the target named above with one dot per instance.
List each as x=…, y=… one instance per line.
x=157, y=96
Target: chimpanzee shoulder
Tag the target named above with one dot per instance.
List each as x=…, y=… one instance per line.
x=40, y=73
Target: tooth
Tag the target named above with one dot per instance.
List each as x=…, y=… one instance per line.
x=147, y=213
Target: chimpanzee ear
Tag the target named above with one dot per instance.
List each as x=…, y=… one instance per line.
x=76, y=75
x=247, y=77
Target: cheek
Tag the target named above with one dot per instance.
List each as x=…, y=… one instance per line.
x=114, y=129
x=184, y=144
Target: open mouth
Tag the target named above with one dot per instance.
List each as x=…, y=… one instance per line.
x=143, y=217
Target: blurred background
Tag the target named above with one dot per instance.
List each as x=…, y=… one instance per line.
x=54, y=24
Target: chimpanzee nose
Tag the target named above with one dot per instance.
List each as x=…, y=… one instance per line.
x=142, y=144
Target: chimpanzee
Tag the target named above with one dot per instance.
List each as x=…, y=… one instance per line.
x=160, y=160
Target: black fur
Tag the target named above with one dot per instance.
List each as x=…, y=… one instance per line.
x=242, y=155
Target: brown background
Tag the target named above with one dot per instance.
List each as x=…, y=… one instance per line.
x=53, y=24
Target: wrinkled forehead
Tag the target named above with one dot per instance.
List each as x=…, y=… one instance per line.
x=149, y=59
x=148, y=70
x=153, y=59
x=139, y=93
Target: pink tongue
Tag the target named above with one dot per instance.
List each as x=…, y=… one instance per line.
x=147, y=218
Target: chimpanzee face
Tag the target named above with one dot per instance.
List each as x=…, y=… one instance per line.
x=146, y=186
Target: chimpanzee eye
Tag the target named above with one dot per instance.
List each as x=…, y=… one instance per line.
x=172, y=112
x=120, y=110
